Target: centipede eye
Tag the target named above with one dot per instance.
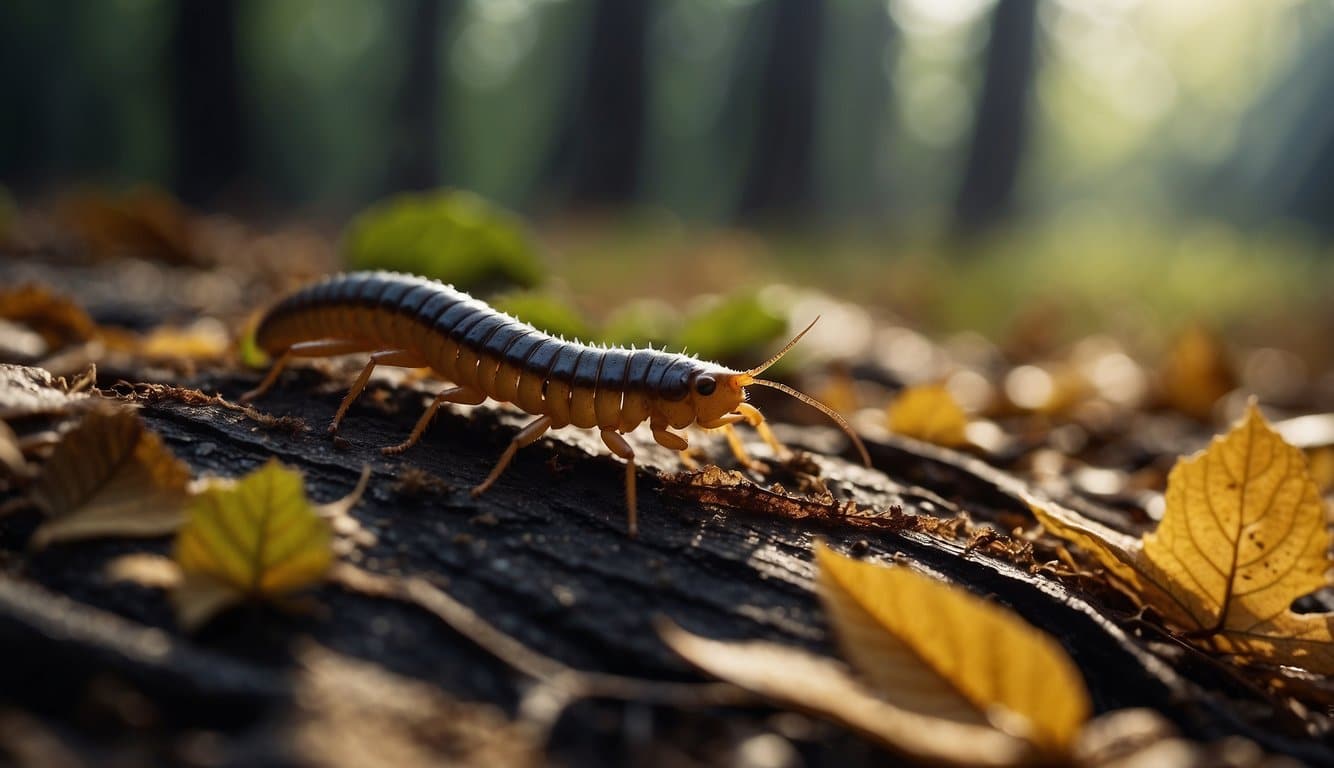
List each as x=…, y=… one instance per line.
x=705, y=385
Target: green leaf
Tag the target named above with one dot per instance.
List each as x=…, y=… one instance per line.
x=453, y=236
x=255, y=538
x=732, y=328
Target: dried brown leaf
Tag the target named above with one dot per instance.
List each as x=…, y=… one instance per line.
x=57, y=319
x=109, y=476
x=27, y=392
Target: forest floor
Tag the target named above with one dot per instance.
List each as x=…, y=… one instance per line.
x=524, y=626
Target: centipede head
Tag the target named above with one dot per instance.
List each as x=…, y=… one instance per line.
x=748, y=378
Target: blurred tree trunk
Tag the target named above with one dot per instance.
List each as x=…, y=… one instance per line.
x=856, y=111
x=596, y=159
x=206, y=100
x=415, y=160
x=986, y=192
x=780, y=177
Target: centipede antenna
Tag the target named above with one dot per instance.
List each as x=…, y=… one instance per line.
x=819, y=406
x=760, y=368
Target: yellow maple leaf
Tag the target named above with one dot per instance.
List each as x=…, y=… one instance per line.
x=253, y=538
x=937, y=649
x=929, y=412
x=1244, y=534
x=109, y=476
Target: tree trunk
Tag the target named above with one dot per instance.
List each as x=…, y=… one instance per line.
x=206, y=100
x=596, y=157
x=780, y=177
x=415, y=142
x=986, y=191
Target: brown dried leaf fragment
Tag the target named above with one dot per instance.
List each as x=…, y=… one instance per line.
x=26, y=392
x=144, y=222
x=14, y=468
x=57, y=319
x=109, y=476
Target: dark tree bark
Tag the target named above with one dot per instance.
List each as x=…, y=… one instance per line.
x=986, y=191
x=416, y=162
x=596, y=157
x=780, y=177
x=208, y=120
x=543, y=556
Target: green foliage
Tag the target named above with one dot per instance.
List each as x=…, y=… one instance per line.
x=546, y=312
x=730, y=329
x=454, y=236
x=642, y=323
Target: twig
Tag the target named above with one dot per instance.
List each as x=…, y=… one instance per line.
x=558, y=684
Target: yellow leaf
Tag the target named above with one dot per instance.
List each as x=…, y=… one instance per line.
x=929, y=412
x=1244, y=534
x=109, y=476
x=823, y=686
x=1196, y=373
x=203, y=340
x=257, y=537
x=1322, y=467
x=990, y=657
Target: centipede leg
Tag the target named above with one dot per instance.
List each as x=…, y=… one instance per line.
x=321, y=348
x=460, y=395
x=756, y=420
x=739, y=450
x=387, y=357
x=527, y=436
x=668, y=439
x=616, y=443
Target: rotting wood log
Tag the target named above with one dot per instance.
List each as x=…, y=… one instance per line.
x=543, y=557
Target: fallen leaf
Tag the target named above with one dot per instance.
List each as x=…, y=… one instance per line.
x=203, y=340
x=57, y=319
x=454, y=236
x=109, y=476
x=1244, y=534
x=929, y=412
x=253, y=538
x=145, y=569
x=1196, y=372
x=1321, y=464
x=26, y=392
x=826, y=687
x=13, y=467
x=144, y=222
x=939, y=650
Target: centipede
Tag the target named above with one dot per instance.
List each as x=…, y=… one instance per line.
x=484, y=354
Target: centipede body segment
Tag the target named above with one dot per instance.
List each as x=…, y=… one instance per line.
x=402, y=320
